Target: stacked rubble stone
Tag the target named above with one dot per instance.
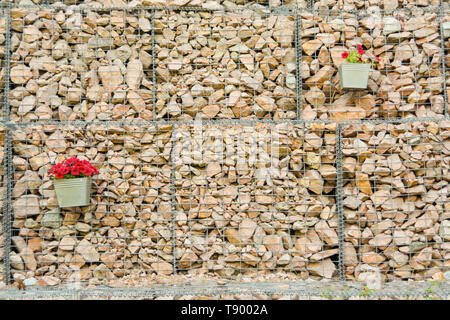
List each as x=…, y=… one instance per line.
x=407, y=82
x=395, y=198
x=225, y=65
x=127, y=227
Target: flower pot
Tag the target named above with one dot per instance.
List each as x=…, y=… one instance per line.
x=74, y=192
x=354, y=75
x=446, y=29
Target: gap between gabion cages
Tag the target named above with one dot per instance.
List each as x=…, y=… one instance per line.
x=11, y=126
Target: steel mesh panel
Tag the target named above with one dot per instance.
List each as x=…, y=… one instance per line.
x=396, y=200
x=445, y=32
x=202, y=4
x=406, y=83
x=125, y=230
x=3, y=69
x=254, y=199
x=2, y=204
x=388, y=5
x=225, y=65
x=87, y=65
x=261, y=195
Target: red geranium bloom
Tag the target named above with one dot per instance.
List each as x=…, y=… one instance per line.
x=360, y=49
x=345, y=55
x=72, y=168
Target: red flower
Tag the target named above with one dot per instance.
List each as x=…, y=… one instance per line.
x=345, y=55
x=75, y=171
x=73, y=167
x=377, y=58
x=360, y=49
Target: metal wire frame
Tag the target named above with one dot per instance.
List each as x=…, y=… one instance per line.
x=89, y=66
x=26, y=125
x=127, y=181
x=178, y=190
x=225, y=218
x=338, y=187
x=446, y=56
x=358, y=96
x=4, y=93
x=19, y=206
x=225, y=65
x=386, y=5
x=339, y=202
x=267, y=290
x=396, y=200
x=4, y=62
x=396, y=88
x=257, y=7
x=6, y=217
x=214, y=5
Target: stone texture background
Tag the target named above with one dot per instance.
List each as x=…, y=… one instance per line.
x=349, y=5
x=72, y=65
x=2, y=56
x=273, y=212
x=396, y=187
x=2, y=189
x=408, y=82
x=447, y=55
x=206, y=4
x=225, y=65
x=128, y=225
x=231, y=217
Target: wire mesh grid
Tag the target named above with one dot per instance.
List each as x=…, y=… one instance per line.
x=229, y=199
x=126, y=228
x=387, y=5
x=445, y=32
x=3, y=67
x=2, y=207
x=396, y=200
x=195, y=4
x=225, y=65
x=253, y=199
x=87, y=65
x=260, y=207
x=406, y=82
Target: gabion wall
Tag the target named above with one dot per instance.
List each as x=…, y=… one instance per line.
x=224, y=142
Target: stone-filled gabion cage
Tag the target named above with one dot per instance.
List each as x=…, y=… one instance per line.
x=226, y=147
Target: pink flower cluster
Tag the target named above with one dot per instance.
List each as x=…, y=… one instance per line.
x=73, y=168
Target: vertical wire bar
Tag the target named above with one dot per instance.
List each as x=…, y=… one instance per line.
x=7, y=58
x=339, y=203
x=153, y=64
x=441, y=32
x=7, y=159
x=173, y=199
x=298, y=61
x=7, y=211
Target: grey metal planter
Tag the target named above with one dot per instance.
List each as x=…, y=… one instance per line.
x=74, y=192
x=354, y=75
x=446, y=29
